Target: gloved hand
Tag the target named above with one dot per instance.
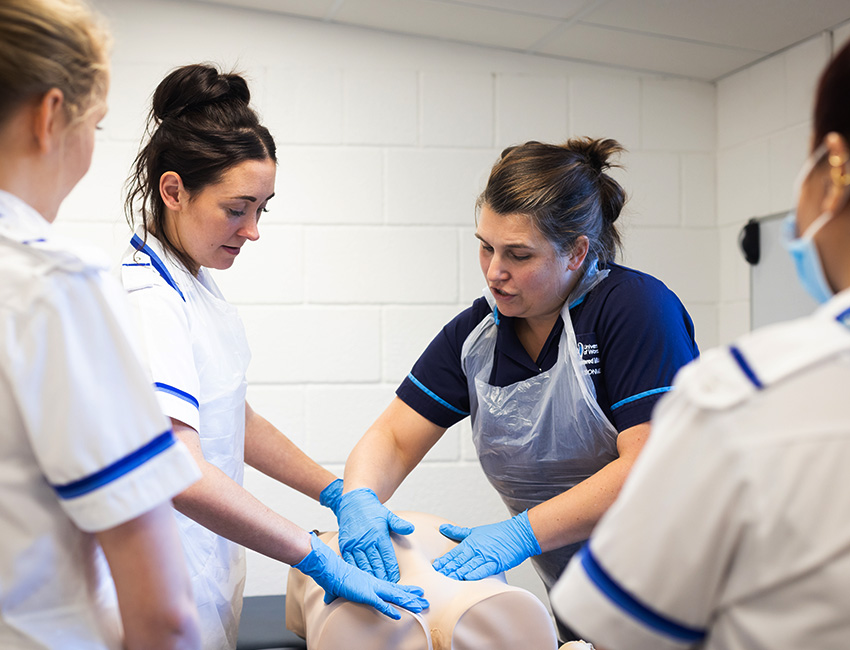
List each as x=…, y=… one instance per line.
x=364, y=533
x=339, y=578
x=329, y=497
x=486, y=550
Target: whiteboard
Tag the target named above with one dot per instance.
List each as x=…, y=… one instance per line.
x=775, y=292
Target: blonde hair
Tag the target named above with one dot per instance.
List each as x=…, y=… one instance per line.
x=48, y=44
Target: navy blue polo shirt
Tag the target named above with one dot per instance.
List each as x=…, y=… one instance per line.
x=633, y=334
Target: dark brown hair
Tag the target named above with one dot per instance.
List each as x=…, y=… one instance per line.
x=200, y=126
x=832, y=100
x=564, y=190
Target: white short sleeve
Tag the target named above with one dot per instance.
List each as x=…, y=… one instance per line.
x=96, y=430
x=165, y=341
x=681, y=511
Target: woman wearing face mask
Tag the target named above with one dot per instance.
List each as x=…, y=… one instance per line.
x=200, y=184
x=88, y=464
x=737, y=507
x=559, y=366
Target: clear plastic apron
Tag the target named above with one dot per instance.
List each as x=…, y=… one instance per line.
x=221, y=354
x=539, y=437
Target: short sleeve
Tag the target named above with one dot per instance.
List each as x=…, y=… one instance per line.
x=653, y=571
x=93, y=422
x=165, y=342
x=645, y=337
x=436, y=387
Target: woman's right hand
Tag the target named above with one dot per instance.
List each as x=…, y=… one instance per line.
x=364, y=533
x=338, y=578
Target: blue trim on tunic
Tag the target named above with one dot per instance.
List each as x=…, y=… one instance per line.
x=745, y=367
x=645, y=393
x=629, y=604
x=157, y=263
x=117, y=469
x=844, y=318
x=433, y=395
x=171, y=390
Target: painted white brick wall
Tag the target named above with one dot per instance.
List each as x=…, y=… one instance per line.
x=763, y=129
x=368, y=248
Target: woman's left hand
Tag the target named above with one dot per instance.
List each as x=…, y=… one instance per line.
x=486, y=550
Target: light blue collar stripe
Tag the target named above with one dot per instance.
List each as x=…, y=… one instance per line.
x=433, y=395
x=645, y=393
x=117, y=469
x=139, y=245
x=745, y=367
x=578, y=302
x=171, y=390
x=629, y=604
x=496, y=314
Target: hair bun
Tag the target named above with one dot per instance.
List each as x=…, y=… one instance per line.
x=196, y=88
x=597, y=154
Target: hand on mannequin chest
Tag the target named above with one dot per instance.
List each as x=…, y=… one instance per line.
x=463, y=615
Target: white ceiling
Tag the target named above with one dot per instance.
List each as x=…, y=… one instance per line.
x=699, y=39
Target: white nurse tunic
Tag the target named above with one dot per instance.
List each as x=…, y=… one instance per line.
x=732, y=531
x=84, y=445
x=195, y=346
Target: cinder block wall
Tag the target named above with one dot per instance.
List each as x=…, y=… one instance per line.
x=368, y=248
x=763, y=131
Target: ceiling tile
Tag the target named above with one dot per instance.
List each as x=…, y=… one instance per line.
x=763, y=25
x=305, y=8
x=450, y=21
x=549, y=8
x=644, y=52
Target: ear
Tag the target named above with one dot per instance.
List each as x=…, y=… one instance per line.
x=838, y=157
x=172, y=191
x=579, y=252
x=48, y=118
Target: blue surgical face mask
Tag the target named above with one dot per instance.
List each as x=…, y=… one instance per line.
x=802, y=247
x=805, y=255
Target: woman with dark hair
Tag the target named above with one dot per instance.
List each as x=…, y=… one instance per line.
x=88, y=463
x=200, y=185
x=558, y=365
x=732, y=531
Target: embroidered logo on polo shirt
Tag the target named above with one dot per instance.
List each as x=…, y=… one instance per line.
x=588, y=350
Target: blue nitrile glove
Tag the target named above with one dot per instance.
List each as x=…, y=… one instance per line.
x=329, y=497
x=364, y=533
x=338, y=578
x=487, y=550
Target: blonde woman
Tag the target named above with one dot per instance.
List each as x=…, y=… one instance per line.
x=88, y=463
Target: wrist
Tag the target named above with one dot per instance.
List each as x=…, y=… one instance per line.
x=526, y=534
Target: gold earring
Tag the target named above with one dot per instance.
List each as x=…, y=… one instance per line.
x=836, y=162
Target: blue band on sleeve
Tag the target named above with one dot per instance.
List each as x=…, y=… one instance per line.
x=645, y=393
x=433, y=395
x=745, y=367
x=157, y=263
x=844, y=318
x=171, y=390
x=629, y=604
x=117, y=469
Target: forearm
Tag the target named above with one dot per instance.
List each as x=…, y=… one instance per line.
x=390, y=449
x=271, y=452
x=226, y=508
x=154, y=593
x=220, y=504
x=571, y=516
x=374, y=464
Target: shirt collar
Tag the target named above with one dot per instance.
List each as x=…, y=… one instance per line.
x=20, y=221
